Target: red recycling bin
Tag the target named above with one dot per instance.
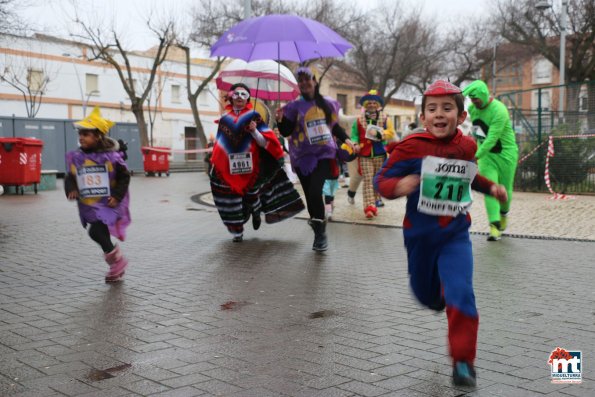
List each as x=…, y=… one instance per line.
x=20, y=162
x=156, y=160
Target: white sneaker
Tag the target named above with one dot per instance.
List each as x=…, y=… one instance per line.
x=328, y=211
x=351, y=200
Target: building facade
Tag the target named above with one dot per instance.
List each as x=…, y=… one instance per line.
x=343, y=86
x=52, y=78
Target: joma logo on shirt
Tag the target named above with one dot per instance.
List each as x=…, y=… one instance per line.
x=445, y=167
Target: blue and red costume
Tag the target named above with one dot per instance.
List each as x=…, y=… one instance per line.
x=440, y=260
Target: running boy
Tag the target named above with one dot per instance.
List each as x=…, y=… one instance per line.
x=435, y=170
x=98, y=178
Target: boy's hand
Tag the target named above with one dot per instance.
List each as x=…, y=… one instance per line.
x=354, y=147
x=252, y=126
x=407, y=185
x=499, y=193
x=279, y=115
x=73, y=195
x=112, y=202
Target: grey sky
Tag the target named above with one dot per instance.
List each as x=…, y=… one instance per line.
x=51, y=16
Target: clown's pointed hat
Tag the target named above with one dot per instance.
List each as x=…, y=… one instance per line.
x=372, y=95
x=94, y=121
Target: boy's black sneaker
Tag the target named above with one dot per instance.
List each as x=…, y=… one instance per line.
x=463, y=374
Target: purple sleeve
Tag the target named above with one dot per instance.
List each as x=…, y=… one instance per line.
x=290, y=111
x=335, y=107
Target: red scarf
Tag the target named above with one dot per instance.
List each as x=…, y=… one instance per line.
x=233, y=137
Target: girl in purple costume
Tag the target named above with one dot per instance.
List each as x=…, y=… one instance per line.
x=310, y=123
x=98, y=178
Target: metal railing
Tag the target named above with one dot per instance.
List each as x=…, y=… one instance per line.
x=571, y=166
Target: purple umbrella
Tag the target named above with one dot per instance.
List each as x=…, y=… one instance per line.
x=280, y=37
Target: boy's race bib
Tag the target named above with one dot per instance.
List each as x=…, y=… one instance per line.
x=240, y=163
x=445, y=186
x=318, y=131
x=93, y=181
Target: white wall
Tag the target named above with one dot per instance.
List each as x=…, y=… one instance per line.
x=63, y=62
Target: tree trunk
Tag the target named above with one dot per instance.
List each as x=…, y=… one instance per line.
x=200, y=131
x=139, y=114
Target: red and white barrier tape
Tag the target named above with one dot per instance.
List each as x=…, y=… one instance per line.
x=550, y=153
x=525, y=157
x=170, y=151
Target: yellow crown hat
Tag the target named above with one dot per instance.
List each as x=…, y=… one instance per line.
x=94, y=121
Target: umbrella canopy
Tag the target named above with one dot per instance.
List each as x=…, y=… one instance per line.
x=265, y=78
x=280, y=37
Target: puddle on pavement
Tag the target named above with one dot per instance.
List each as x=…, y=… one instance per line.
x=96, y=375
x=322, y=314
x=233, y=305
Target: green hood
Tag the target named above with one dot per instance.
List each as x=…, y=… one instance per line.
x=478, y=89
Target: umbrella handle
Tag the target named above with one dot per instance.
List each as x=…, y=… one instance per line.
x=257, y=85
x=279, y=74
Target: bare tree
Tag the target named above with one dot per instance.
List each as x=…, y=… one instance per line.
x=459, y=57
x=520, y=22
x=194, y=92
x=109, y=48
x=389, y=51
x=30, y=77
x=9, y=20
x=153, y=103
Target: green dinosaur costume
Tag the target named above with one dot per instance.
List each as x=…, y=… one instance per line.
x=497, y=152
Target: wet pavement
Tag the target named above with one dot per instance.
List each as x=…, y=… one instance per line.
x=198, y=315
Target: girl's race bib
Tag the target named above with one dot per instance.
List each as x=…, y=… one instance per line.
x=318, y=131
x=93, y=181
x=445, y=186
x=240, y=163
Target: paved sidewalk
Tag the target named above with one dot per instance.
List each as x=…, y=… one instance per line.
x=199, y=315
x=532, y=215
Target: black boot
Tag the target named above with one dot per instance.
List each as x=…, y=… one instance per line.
x=320, y=241
x=256, y=220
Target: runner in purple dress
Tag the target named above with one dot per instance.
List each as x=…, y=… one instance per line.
x=310, y=123
x=98, y=178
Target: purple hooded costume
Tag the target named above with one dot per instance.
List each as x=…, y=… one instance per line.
x=93, y=199
x=312, y=139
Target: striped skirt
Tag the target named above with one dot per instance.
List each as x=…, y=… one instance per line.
x=275, y=196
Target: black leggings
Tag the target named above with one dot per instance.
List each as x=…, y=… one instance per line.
x=312, y=185
x=99, y=233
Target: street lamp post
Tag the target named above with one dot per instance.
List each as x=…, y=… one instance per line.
x=247, y=9
x=86, y=102
x=543, y=5
x=563, y=17
x=494, y=71
x=76, y=72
